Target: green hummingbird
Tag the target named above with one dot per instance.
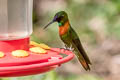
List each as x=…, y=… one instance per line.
x=70, y=38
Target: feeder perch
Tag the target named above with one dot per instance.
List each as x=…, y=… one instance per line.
x=18, y=55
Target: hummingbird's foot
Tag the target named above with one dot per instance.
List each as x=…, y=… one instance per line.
x=69, y=48
x=65, y=49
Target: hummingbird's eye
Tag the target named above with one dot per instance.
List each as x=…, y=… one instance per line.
x=62, y=16
x=59, y=18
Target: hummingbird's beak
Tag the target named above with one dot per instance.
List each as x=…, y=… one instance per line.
x=48, y=24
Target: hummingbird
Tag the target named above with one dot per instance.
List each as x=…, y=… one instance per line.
x=70, y=38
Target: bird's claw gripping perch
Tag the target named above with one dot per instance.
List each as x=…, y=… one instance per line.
x=64, y=49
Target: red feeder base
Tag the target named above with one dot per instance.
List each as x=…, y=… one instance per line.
x=11, y=66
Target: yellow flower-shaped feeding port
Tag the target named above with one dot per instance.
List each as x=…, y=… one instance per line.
x=32, y=43
x=2, y=54
x=20, y=53
x=44, y=46
x=38, y=50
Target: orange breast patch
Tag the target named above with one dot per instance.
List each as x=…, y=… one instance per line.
x=63, y=29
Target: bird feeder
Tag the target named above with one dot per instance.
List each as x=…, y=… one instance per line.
x=19, y=56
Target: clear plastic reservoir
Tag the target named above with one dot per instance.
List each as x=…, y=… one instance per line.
x=15, y=19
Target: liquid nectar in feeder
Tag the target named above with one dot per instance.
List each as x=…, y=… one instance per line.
x=18, y=55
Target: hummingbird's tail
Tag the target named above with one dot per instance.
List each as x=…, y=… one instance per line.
x=82, y=56
x=83, y=61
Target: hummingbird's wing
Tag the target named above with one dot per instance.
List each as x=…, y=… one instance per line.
x=81, y=54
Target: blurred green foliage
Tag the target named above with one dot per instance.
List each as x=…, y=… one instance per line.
x=52, y=75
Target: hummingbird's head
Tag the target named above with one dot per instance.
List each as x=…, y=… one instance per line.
x=60, y=17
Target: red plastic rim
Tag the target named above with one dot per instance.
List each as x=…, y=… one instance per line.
x=39, y=67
